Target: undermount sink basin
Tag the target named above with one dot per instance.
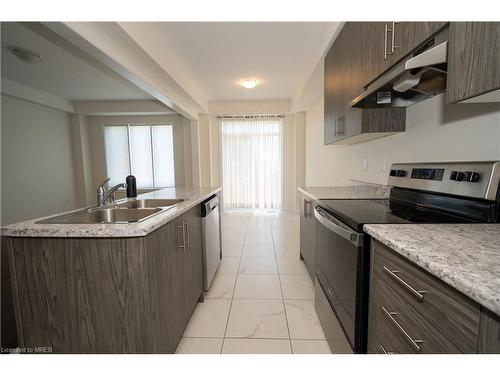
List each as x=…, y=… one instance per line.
x=103, y=216
x=151, y=203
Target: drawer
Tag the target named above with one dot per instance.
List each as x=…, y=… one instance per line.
x=453, y=314
x=381, y=339
x=394, y=321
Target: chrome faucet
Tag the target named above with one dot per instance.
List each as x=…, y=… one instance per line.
x=103, y=195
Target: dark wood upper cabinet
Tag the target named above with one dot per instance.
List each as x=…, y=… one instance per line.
x=363, y=51
x=382, y=44
x=356, y=56
x=331, y=96
x=473, y=60
x=373, y=50
x=409, y=35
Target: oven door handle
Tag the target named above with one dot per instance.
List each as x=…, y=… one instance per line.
x=334, y=225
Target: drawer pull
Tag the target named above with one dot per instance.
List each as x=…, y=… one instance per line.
x=412, y=341
x=384, y=351
x=419, y=294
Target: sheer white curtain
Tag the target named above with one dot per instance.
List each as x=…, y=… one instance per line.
x=252, y=161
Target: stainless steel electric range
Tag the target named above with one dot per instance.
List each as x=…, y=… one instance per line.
x=458, y=192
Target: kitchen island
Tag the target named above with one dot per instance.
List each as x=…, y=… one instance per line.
x=109, y=288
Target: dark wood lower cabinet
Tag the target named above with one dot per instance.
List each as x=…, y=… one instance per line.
x=489, y=333
x=8, y=333
x=413, y=312
x=307, y=234
x=193, y=252
x=107, y=295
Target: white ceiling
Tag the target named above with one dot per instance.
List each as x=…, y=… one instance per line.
x=64, y=71
x=211, y=58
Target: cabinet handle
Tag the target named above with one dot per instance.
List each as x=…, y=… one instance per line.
x=339, y=125
x=419, y=294
x=188, y=241
x=393, y=31
x=307, y=206
x=342, y=125
x=384, y=351
x=412, y=341
x=393, y=39
x=181, y=227
x=386, y=30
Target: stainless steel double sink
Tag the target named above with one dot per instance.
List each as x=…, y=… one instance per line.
x=126, y=212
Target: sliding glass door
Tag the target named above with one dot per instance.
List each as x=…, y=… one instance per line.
x=252, y=161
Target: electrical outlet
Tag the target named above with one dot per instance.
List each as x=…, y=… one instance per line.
x=364, y=164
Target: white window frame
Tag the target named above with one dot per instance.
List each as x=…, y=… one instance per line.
x=150, y=125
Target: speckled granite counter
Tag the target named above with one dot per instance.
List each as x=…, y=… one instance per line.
x=193, y=197
x=465, y=256
x=358, y=191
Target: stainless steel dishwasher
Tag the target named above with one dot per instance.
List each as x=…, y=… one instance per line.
x=210, y=223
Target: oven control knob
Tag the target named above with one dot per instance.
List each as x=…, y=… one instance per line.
x=457, y=176
x=398, y=172
x=472, y=176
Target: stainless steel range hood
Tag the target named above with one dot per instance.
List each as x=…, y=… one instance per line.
x=419, y=76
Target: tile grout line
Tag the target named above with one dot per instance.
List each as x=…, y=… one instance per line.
x=268, y=226
x=232, y=296
x=283, y=298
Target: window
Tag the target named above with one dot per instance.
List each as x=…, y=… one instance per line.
x=146, y=151
x=252, y=161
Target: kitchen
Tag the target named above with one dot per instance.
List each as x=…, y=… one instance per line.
x=316, y=198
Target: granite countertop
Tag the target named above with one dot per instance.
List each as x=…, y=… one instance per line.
x=464, y=256
x=193, y=197
x=357, y=191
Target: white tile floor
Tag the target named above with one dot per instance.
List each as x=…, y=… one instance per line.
x=262, y=299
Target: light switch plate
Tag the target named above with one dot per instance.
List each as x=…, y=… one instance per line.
x=383, y=165
x=364, y=164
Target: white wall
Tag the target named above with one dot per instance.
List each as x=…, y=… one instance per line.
x=204, y=149
x=82, y=161
x=288, y=162
x=299, y=155
x=434, y=132
x=37, y=161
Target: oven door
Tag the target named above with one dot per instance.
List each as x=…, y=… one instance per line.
x=342, y=268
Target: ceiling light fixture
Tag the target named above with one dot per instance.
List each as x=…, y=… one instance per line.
x=249, y=83
x=25, y=55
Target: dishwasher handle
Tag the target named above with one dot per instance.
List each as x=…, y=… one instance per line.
x=337, y=227
x=208, y=205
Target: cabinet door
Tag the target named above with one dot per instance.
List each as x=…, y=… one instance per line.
x=194, y=258
x=331, y=96
x=408, y=35
x=371, y=40
x=473, y=59
x=342, y=81
x=176, y=275
x=311, y=235
x=307, y=233
x=303, y=226
x=382, y=44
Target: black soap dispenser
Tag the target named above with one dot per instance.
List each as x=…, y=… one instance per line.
x=131, y=187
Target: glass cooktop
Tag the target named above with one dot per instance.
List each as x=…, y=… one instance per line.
x=356, y=212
